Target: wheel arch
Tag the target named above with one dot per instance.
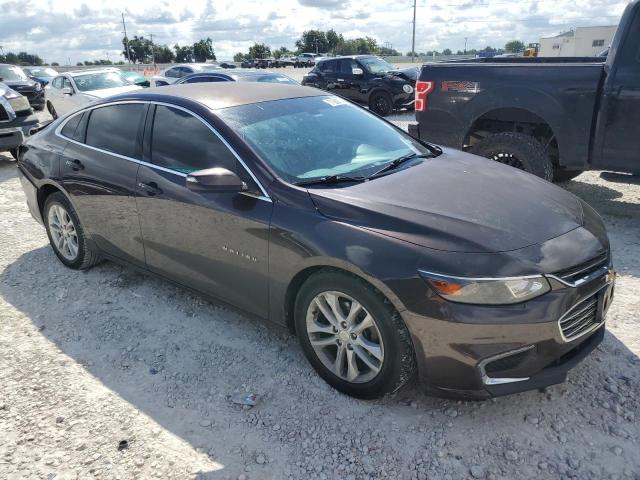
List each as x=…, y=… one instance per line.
x=336, y=266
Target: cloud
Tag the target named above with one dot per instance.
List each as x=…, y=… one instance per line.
x=81, y=30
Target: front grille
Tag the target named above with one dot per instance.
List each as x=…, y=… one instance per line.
x=581, y=318
x=574, y=274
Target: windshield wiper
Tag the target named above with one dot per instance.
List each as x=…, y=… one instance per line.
x=393, y=164
x=329, y=179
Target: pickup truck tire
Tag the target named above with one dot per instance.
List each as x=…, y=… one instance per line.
x=560, y=175
x=517, y=150
x=381, y=103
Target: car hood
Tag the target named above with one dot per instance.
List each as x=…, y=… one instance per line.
x=108, y=92
x=21, y=85
x=456, y=202
x=410, y=73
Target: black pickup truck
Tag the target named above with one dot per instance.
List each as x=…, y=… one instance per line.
x=554, y=117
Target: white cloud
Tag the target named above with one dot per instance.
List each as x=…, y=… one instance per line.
x=78, y=30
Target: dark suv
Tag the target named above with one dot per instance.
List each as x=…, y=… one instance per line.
x=365, y=79
x=16, y=79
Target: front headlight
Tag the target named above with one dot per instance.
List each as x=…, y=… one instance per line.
x=487, y=291
x=38, y=86
x=407, y=88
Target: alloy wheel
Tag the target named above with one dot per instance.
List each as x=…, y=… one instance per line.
x=63, y=232
x=508, y=159
x=345, y=337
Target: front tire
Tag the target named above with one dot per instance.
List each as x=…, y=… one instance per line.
x=66, y=235
x=52, y=110
x=561, y=175
x=517, y=150
x=381, y=103
x=352, y=336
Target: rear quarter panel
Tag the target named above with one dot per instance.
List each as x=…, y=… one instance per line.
x=563, y=95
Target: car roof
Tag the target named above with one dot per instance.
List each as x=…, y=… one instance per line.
x=75, y=73
x=324, y=59
x=227, y=94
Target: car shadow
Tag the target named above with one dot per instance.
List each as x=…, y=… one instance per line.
x=176, y=358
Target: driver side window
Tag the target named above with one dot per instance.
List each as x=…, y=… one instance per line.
x=181, y=142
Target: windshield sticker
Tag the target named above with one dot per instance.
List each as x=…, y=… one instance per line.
x=335, y=101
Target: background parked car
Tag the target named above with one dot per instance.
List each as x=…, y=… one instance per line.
x=172, y=74
x=71, y=90
x=17, y=79
x=137, y=79
x=248, y=63
x=42, y=74
x=238, y=76
x=307, y=59
x=365, y=79
x=17, y=120
x=227, y=65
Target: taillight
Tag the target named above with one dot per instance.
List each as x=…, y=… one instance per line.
x=423, y=89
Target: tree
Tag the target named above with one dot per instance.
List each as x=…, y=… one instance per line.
x=55, y=64
x=139, y=49
x=333, y=40
x=79, y=64
x=21, y=58
x=163, y=54
x=203, y=50
x=183, y=54
x=239, y=57
x=259, y=50
x=514, y=46
x=313, y=41
x=447, y=51
x=281, y=52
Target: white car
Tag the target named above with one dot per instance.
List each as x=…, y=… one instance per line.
x=71, y=90
x=176, y=72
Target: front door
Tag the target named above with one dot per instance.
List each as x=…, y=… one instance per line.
x=214, y=242
x=620, y=111
x=350, y=84
x=99, y=169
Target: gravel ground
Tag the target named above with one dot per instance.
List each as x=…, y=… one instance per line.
x=109, y=373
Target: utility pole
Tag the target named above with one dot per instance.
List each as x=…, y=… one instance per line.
x=126, y=40
x=413, y=38
x=465, y=45
x=153, y=54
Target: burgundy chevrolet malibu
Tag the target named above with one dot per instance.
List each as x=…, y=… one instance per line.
x=387, y=256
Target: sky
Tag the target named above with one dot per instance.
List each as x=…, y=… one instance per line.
x=66, y=31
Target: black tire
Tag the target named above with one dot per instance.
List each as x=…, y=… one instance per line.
x=52, y=110
x=398, y=364
x=39, y=108
x=561, y=175
x=381, y=103
x=517, y=150
x=87, y=256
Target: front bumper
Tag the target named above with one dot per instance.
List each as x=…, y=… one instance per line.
x=14, y=133
x=481, y=352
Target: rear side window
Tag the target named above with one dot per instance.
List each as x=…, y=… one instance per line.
x=328, y=66
x=114, y=128
x=347, y=65
x=69, y=130
x=183, y=143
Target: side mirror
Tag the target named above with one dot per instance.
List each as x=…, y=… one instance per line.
x=357, y=71
x=67, y=91
x=215, y=180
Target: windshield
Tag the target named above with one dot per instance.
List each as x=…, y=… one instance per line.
x=42, y=72
x=100, y=81
x=314, y=137
x=268, y=78
x=206, y=68
x=376, y=64
x=11, y=73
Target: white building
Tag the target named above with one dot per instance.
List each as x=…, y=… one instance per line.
x=581, y=42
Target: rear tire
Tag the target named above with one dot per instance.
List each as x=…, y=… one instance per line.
x=561, y=175
x=381, y=103
x=517, y=150
x=376, y=359
x=66, y=235
x=52, y=110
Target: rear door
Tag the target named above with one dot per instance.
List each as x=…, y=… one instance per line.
x=620, y=111
x=214, y=242
x=98, y=170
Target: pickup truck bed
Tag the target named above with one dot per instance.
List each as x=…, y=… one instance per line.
x=554, y=117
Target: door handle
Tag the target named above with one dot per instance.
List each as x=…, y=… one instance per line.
x=74, y=164
x=151, y=188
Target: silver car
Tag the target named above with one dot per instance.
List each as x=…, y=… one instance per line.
x=71, y=90
x=176, y=72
